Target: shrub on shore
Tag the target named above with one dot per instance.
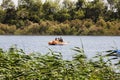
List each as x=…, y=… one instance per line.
x=73, y=27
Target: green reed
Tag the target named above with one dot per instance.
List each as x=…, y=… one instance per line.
x=16, y=65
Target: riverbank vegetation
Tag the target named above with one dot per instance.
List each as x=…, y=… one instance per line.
x=15, y=64
x=80, y=17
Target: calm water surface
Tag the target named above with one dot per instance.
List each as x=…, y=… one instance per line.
x=92, y=44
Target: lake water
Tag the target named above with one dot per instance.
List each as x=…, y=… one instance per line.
x=92, y=44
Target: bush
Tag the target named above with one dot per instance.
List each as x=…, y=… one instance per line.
x=7, y=29
x=73, y=27
x=16, y=65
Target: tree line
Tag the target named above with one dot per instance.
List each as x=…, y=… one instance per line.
x=60, y=18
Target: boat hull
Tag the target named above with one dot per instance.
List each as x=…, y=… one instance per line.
x=56, y=43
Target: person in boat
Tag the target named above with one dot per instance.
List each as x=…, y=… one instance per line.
x=60, y=39
x=56, y=39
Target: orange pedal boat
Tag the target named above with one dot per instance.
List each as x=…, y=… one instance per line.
x=57, y=43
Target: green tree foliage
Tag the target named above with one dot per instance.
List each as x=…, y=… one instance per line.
x=95, y=10
x=36, y=11
x=63, y=15
x=7, y=4
x=10, y=16
x=10, y=12
x=112, y=4
x=50, y=8
x=66, y=4
x=79, y=12
x=2, y=14
x=30, y=9
x=118, y=8
x=80, y=4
